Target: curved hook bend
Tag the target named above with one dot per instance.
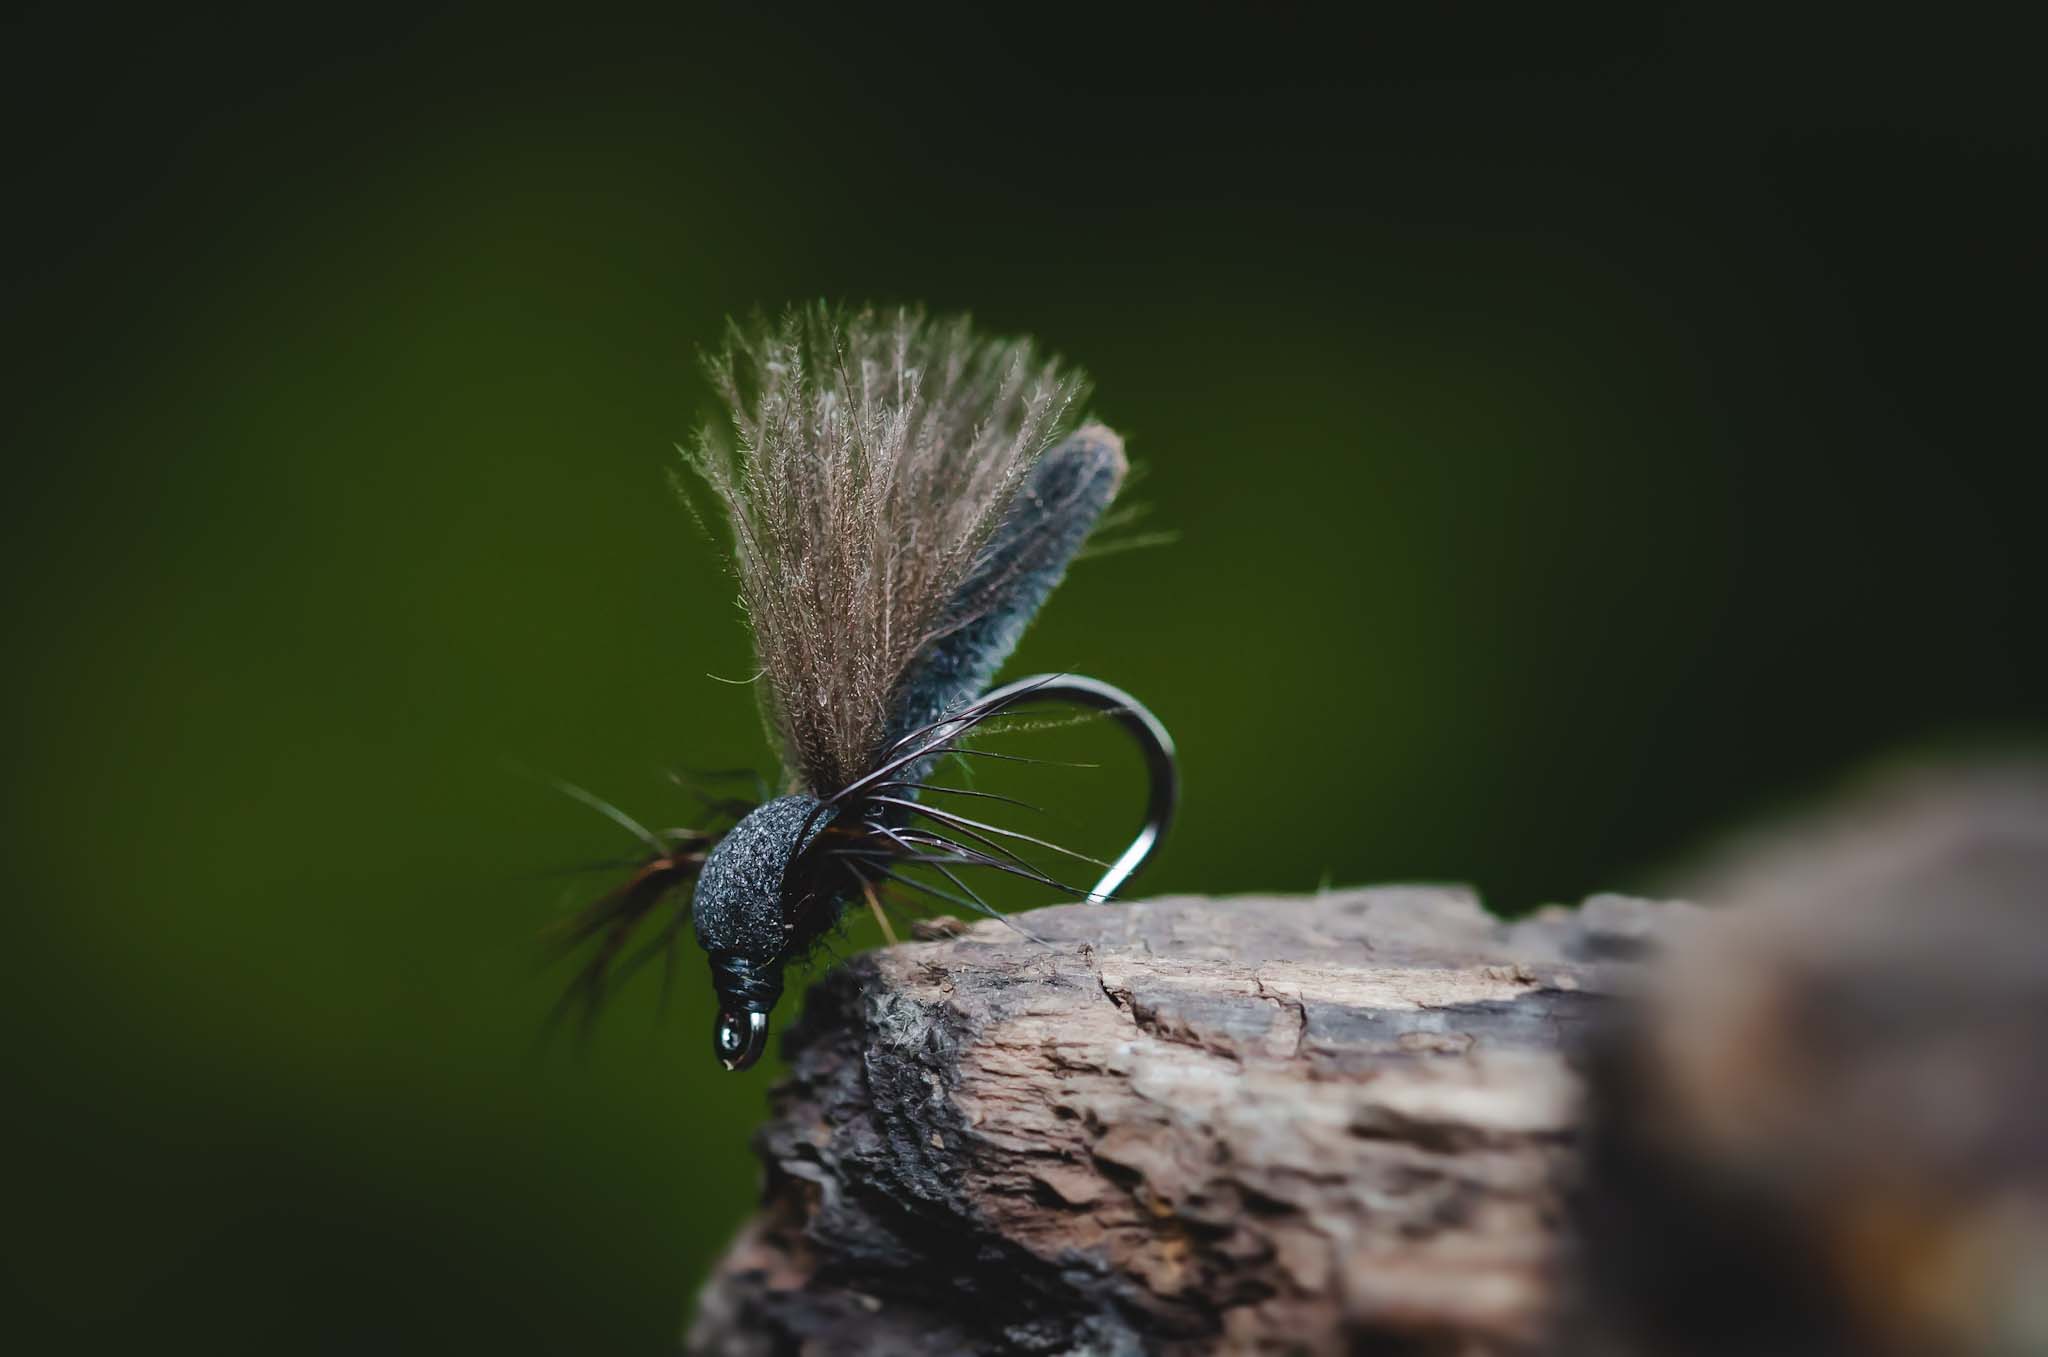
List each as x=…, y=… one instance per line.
x=1157, y=746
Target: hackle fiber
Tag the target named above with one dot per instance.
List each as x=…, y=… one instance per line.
x=869, y=460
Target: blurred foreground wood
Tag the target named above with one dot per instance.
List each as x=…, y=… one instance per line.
x=1824, y=1130
x=1340, y=1123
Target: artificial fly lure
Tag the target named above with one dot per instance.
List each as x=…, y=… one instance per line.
x=902, y=496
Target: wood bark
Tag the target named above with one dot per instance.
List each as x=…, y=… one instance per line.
x=1809, y=1121
x=1824, y=1130
x=1326, y=1124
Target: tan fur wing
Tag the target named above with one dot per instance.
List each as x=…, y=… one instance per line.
x=868, y=459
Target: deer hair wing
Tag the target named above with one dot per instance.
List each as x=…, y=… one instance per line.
x=896, y=517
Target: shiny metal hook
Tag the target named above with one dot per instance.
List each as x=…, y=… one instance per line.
x=1160, y=764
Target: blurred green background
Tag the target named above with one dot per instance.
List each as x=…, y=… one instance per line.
x=1580, y=433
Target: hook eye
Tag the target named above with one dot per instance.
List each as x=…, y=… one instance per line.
x=739, y=1038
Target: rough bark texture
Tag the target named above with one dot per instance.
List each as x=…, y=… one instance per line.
x=1816, y=1120
x=1340, y=1123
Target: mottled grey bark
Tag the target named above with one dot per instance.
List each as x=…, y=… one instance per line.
x=1815, y=1120
x=1339, y=1123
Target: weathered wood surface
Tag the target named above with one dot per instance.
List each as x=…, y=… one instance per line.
x=1339, y=1123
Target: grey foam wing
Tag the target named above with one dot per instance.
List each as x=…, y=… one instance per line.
x=1046, y=523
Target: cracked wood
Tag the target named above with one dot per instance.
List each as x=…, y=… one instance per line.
x=1300, y=1124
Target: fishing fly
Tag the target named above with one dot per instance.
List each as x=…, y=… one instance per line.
x=902, y=495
